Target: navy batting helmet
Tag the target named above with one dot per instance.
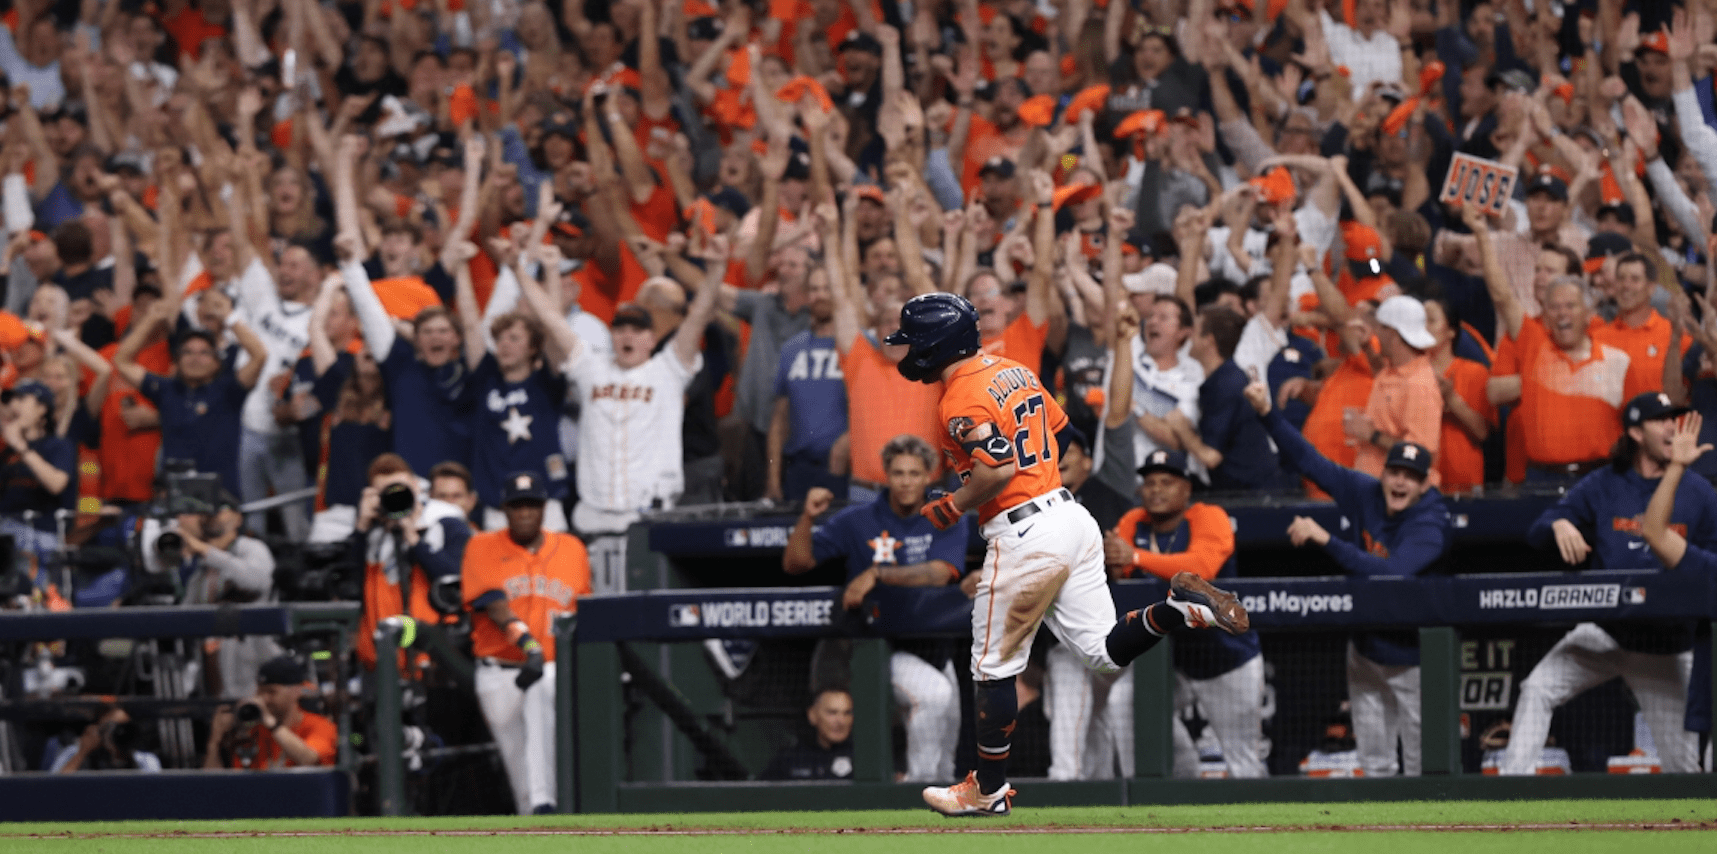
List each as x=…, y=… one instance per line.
x=940, y=329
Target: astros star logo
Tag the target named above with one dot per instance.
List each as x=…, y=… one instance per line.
x=1410, y=452
x=517, y=425
x=882, y=548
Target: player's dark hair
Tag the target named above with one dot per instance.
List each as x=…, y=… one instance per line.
x=906, y=443
x=1224, y=325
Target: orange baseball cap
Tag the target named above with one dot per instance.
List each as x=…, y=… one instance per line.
x=1141, y=122
x=1038, y=110
x=800, y=86
x=1073, y=194
x=1090, y=99
x=1275, y=186
x=1361, y=242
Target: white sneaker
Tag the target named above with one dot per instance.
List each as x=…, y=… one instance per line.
x=964, y=798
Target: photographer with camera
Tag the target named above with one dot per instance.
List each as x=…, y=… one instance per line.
x=209, y=559
x=409, y=544
x=519, y=579
x=109, y=744
x=269, y=730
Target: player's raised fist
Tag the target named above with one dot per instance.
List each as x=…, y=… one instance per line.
x=817, y=501
x=941, y=511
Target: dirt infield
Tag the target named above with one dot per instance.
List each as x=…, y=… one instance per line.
x=954, y=827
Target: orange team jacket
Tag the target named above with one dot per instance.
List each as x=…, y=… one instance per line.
x=1007, y=396
x=318, y=732
x=1210, y=543
x=538, y=587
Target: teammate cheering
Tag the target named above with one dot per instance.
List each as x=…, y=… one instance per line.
x=1044, y=563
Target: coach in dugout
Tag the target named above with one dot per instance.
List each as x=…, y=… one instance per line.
x=886, y=541
x=1223, y=673
x=1400, y=528
x=1600, y=518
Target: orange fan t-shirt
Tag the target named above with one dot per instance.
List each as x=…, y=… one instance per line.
x=1022, y=341
x=891, y=404
x=1460, y=460
x=317, y=732
x=1569, y=411
x=599, y=294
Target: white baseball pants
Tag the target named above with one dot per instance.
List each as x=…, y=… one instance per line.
x=1385, y=703
x=929, y=701
x=522, y=723
x=1585, y=658
x=1233, y=704
x=1046, y=569
x=1090, y=719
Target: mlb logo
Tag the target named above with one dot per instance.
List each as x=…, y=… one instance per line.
x=1634, y=596
x=683, y=616
x=736, y=538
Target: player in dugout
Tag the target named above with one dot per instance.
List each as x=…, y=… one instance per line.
x=1223, y=673
x=885, y=541
x=1599, y=519
x=1401, y=528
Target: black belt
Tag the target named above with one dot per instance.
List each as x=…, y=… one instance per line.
x=1020, y=514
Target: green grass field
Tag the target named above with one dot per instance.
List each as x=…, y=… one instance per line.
x=1464, y=827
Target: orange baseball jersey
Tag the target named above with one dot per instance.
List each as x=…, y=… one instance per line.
x=1023, y=420
x=538, y=587
x=1210, y=543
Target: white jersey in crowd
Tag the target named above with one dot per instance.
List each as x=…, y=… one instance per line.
x=284, y=328
x=629, y=429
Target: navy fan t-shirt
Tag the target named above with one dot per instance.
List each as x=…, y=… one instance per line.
x=200, y=424
x=809, y=376
x=871, y=534
x=515, y=428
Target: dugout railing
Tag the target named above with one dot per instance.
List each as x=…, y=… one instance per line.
x=188, y=793
x=591, y=711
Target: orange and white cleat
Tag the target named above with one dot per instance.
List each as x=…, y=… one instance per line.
x=964, y=798
x=1204, y=604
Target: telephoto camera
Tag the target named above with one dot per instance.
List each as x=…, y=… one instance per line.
x=248, y=713
x=397, y=501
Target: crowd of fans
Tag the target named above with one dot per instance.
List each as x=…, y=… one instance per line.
x=647, y=252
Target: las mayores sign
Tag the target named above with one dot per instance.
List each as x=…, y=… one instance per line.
x=1285, y=602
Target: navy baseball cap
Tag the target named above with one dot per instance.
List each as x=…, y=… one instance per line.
x=1411, y=456
x=31, y=388
x=1173, y=462
x=1650, y=406
x=523, y=487
x=632, y=314
x=999, y=166
x=281, y=670
x=707, y=28
x=1544, y=182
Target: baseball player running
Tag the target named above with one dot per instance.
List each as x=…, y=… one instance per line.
x=1044, y=564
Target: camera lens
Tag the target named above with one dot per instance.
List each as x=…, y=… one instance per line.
x=248, y=713
x=170, y=542
x=397, y=501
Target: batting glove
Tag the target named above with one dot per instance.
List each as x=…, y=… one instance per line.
x=941, y=511
x=532, y=669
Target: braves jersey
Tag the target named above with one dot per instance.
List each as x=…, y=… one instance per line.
x=809, y=376
x=513, y=429
x=538, y=587
x=629, y=428
x=872, y=535
x=1023, y=419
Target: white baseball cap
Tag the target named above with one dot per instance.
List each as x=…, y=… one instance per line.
x=1406, y=315
x=1155, y=279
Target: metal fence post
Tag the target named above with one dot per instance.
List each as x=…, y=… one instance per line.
x=390, y=764
x=602, y=728
x=1153, y=712
x=1439, y=700
x=873, y=698
x=565, y=712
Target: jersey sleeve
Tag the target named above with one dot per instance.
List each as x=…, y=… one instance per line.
x=324, y=738
x=475, y=579
x=829, y=540
x=151, y=387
